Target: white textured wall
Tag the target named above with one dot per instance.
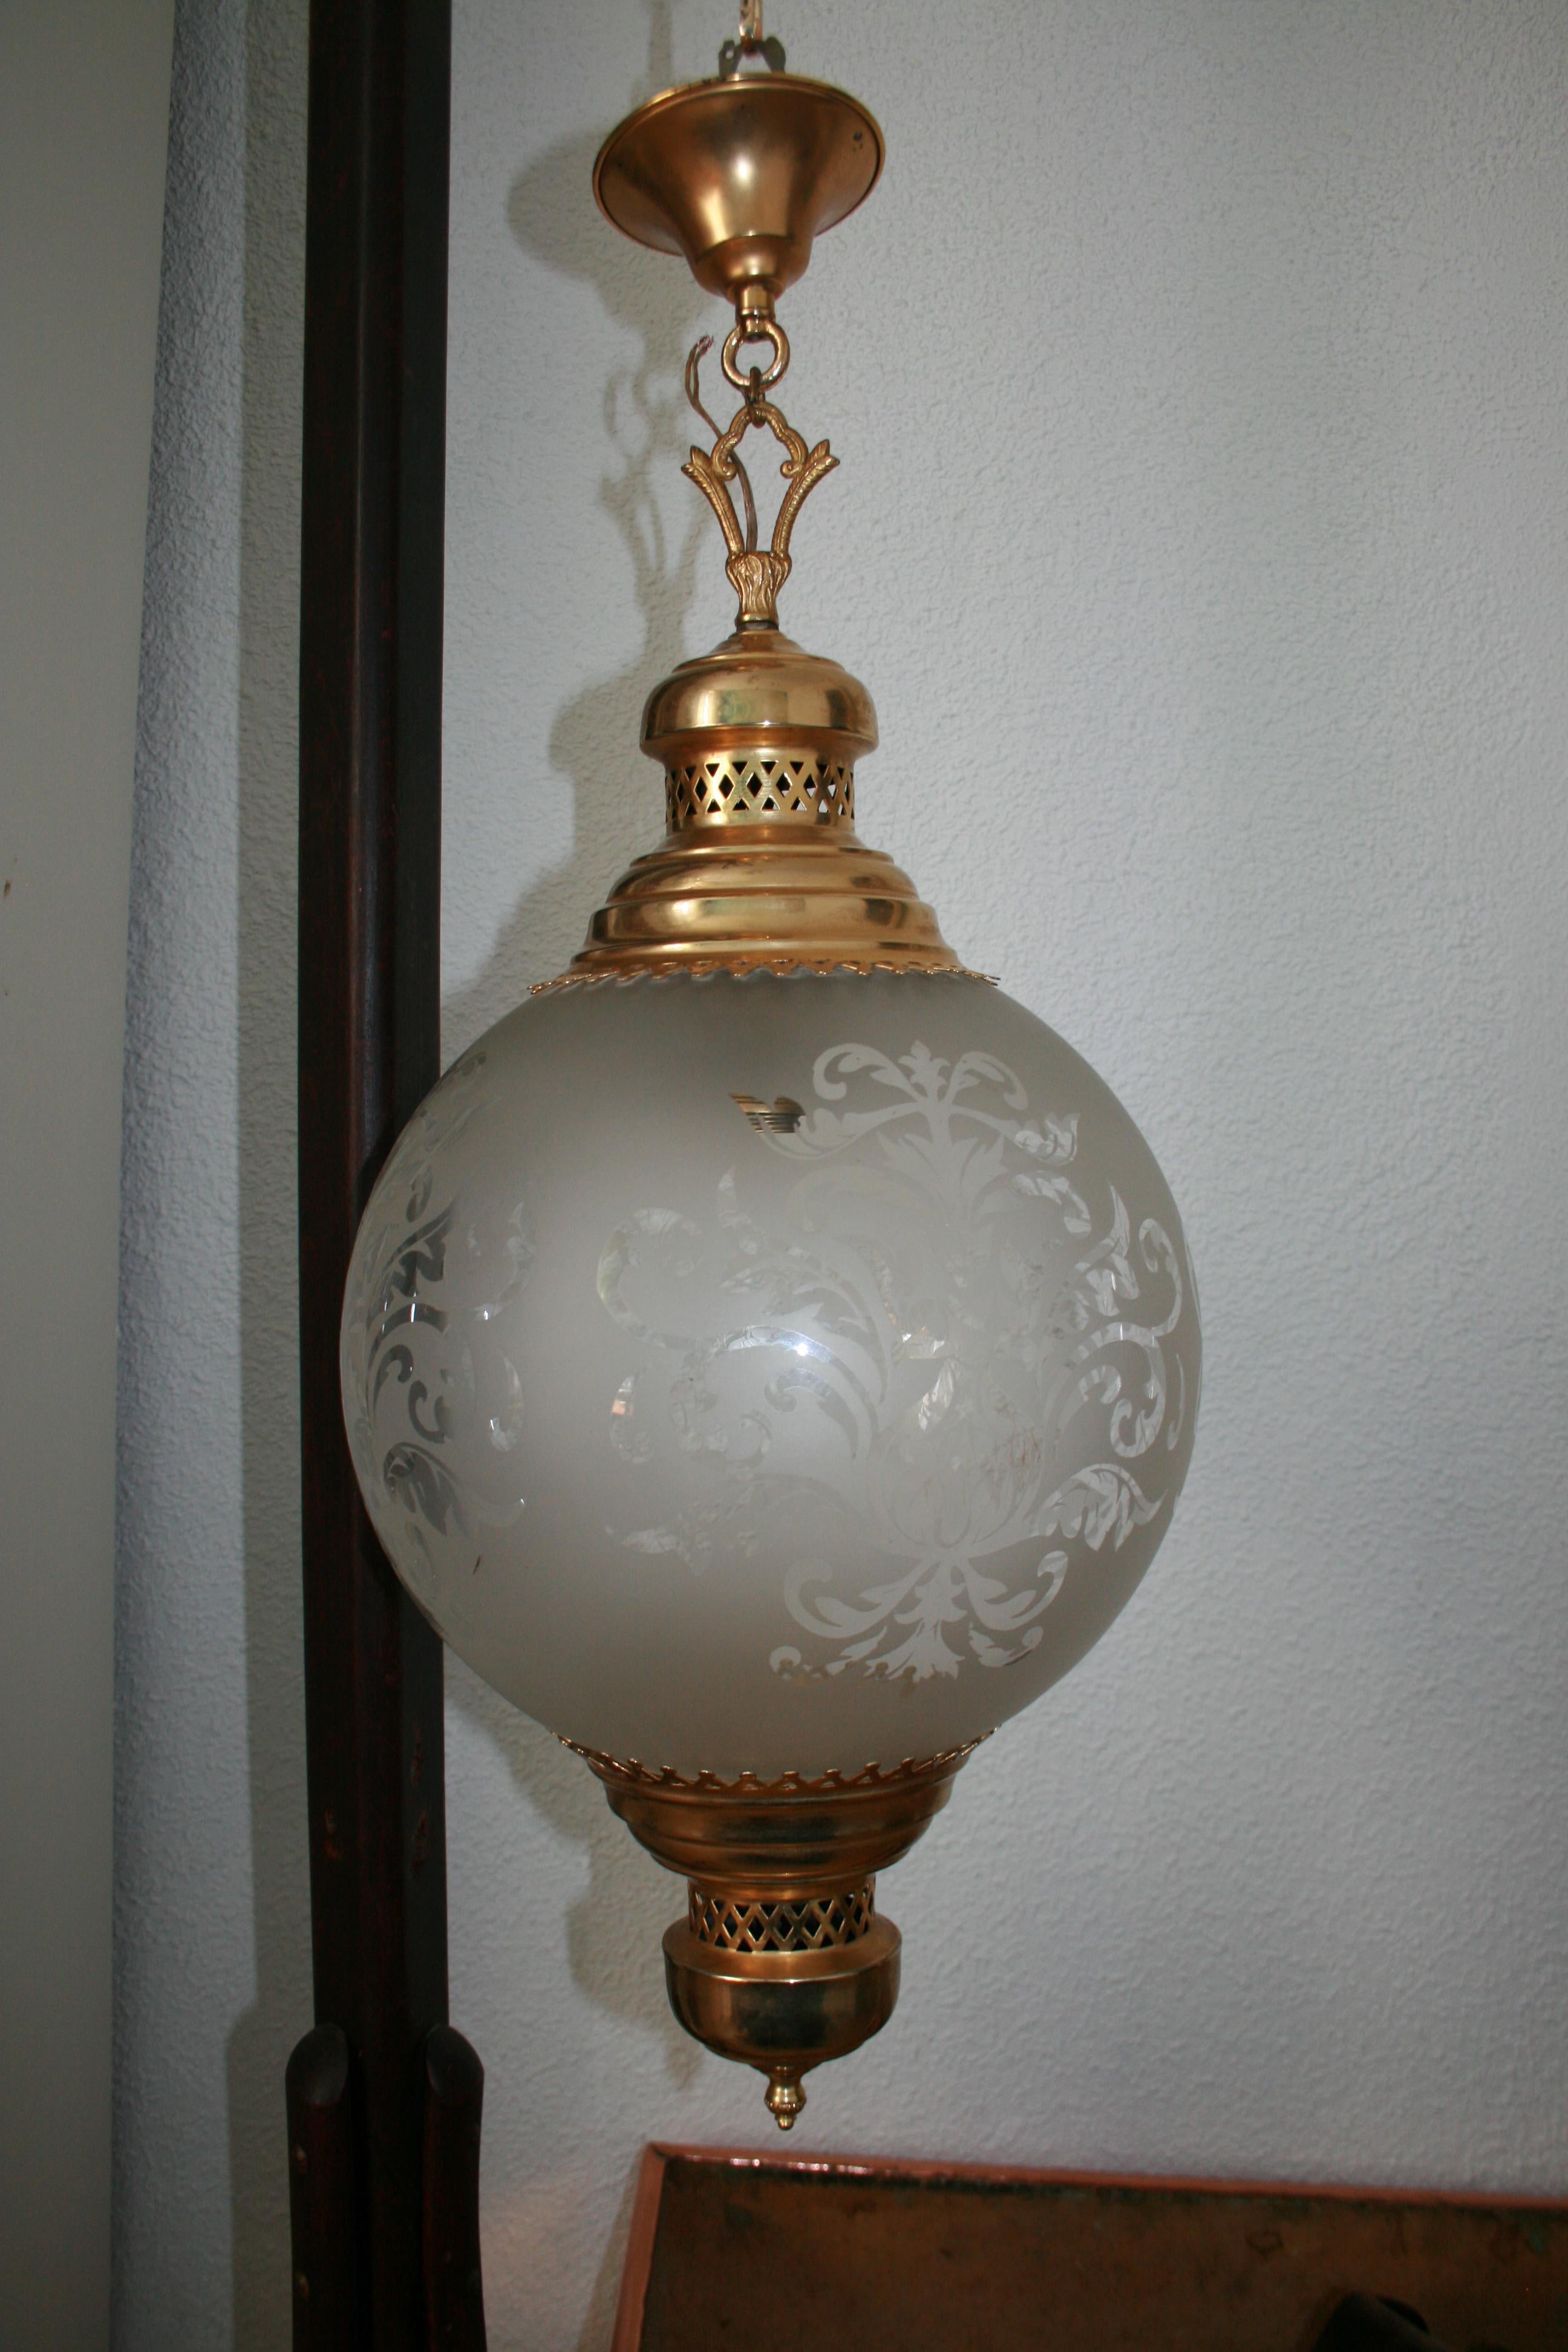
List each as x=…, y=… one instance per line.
x=1197, y=372
x=213, y=1974
x=84, y=112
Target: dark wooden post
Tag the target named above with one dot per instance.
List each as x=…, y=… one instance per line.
x=454, y=2297
x=370, y=840
x=323, y=2192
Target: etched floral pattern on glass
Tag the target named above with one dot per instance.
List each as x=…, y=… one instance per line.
x=771, y=1375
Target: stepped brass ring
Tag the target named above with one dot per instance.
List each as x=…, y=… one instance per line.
x=755, y=330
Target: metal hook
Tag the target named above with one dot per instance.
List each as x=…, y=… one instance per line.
x=750, y=42
x=755, y=330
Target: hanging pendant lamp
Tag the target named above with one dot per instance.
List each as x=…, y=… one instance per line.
x=770, y=1355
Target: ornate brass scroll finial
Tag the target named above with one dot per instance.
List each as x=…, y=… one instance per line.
x=756, y=575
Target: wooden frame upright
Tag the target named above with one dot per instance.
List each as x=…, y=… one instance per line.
x=383, y=2096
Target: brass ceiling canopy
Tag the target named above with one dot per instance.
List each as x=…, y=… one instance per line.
x=739, y=174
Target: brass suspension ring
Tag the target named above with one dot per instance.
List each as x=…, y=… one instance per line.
x=751, y=381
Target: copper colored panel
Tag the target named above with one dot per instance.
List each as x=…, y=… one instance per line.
x=748, y=2251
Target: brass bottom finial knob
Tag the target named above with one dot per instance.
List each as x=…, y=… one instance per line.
x=785, y=2096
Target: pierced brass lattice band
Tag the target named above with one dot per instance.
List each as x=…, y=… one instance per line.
x=823, y=1923
x=748, y=788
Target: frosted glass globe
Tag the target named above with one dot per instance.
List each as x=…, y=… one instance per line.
x=767, y=1374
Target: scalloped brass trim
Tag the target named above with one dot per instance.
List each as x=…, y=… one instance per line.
x=781, y=967
x=833, y=1782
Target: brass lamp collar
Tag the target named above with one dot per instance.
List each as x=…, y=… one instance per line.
x=761, y=866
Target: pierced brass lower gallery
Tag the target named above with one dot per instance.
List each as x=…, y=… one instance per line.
x=783, y=1960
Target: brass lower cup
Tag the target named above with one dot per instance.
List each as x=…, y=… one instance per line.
x=783, y=2012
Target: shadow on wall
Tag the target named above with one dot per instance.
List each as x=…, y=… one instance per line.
x=612, y=1930
x=617, y=804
